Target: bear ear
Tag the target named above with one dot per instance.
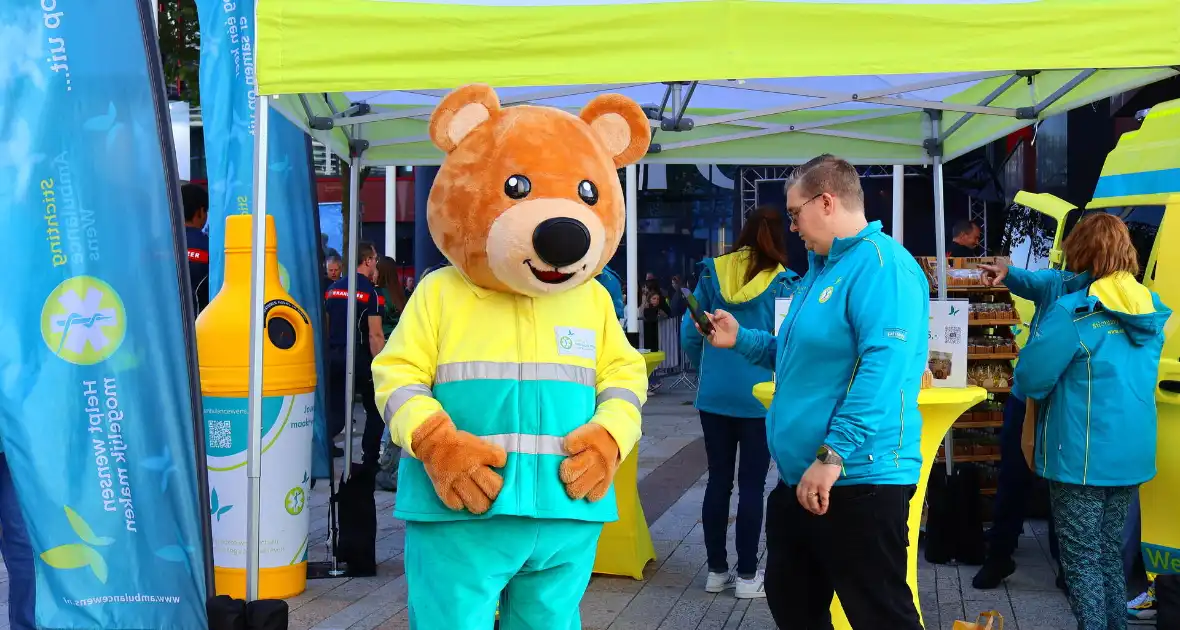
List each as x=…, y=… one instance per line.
x=620, y=126
x=461, y=111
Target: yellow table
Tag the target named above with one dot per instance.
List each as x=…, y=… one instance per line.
x=940, y=408
x=624, y=547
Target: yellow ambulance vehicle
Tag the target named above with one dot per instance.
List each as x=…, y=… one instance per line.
x=1140, y=183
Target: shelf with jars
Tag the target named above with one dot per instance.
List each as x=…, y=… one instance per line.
x=991, y=353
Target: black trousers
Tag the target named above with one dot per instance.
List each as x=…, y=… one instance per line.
x=1014, y=486
x=857, y=551
x=374, y=424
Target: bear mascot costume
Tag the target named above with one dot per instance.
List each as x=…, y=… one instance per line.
x=508, y=382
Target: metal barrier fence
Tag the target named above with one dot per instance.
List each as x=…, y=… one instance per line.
x=676, y=363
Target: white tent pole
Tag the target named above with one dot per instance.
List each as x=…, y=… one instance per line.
x=940, y=250
x=391, y=212
x=257, y=330
x=899, y=203
x=354, y=211
x=940, y=227
x=632, y=231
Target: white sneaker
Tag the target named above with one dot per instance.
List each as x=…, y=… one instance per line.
x=718, y=582
x=751, y=588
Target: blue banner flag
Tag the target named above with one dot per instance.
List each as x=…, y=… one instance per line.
x=96, y=400
x=229, y=119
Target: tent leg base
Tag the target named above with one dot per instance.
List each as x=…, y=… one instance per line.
x=324, y=571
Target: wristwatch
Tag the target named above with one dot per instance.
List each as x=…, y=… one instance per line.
x=825, y=455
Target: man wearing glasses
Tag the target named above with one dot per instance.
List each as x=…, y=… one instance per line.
x=843, y=427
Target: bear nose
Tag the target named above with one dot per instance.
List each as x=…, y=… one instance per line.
x=561, y=241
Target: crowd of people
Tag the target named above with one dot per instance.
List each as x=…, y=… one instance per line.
x=843, y=427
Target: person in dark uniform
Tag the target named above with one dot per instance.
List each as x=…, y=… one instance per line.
x=196, y=215
x=369, y=342
x=965, y=240
x=435, y=267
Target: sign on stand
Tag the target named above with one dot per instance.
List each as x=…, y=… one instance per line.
x=781, y=306
x=948, y=342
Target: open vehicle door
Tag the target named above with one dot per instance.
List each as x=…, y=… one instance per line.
x=1055, y=212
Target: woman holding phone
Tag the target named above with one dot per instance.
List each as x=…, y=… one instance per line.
x=746, y=283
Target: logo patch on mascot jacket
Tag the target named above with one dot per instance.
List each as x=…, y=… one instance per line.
x=575, y=342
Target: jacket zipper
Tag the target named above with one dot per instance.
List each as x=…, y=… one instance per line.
x=795, y=319
x=516, y=304
x=900, y=438
x=1089, y=394
x=1045, y=438
x=532, y=304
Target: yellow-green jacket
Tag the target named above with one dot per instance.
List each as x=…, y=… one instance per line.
x=517, y=371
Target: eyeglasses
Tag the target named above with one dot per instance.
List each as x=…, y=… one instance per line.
x=793, y=213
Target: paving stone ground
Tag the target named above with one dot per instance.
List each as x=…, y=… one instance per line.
x=671, y=596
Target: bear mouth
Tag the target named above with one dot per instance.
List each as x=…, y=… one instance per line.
x=549, y=276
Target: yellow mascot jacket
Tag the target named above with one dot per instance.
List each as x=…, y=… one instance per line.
x=517, y=371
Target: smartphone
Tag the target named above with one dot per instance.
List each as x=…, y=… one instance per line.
x=694, y=308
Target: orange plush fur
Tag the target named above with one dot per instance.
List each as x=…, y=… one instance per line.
x=487, y=235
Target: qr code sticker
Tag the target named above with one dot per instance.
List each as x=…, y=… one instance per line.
x=953, y=334
x=221, y=434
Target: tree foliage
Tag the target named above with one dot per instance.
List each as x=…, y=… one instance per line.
x=180, y=48
x=1022, y=222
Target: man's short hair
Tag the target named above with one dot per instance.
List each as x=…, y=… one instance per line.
x=828, y=174
x=332, y=258
x=365, y=250
x=195, y=199
x=963, y=227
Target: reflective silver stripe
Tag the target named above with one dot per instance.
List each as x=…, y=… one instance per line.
x=524, y=443
x=619, y=393
x=475, y=370
x=401, y=396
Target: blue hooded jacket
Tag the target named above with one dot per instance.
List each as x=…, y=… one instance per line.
x=1092, y=364
x=850, y=359
x=614, y=286
x=726, y=378
x=1043, y=288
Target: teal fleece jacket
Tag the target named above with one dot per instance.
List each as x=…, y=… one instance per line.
x=849, y=360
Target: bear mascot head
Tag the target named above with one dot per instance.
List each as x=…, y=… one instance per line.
x=528, y=198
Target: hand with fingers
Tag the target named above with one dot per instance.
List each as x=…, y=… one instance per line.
x=459, y=464
x=993, y=275
x=593, y=459
x=815, y=488
x=725, y=329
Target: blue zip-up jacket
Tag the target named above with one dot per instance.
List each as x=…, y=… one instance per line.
x=1043, y=288
x=726, y=379
x=850, y=359
x=614, y=286
x=1092, y=363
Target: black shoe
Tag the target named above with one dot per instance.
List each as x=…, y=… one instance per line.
x=993, y=572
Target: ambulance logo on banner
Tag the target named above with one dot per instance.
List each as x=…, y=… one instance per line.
x=83, y=321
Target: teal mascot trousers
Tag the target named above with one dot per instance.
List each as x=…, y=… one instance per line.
x=537, y=569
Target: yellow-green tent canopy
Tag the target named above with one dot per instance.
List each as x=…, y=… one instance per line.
x=780, y=121
x=839, y=74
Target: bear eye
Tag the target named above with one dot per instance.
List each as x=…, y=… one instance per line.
x=588, y=192
x=517, y=187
